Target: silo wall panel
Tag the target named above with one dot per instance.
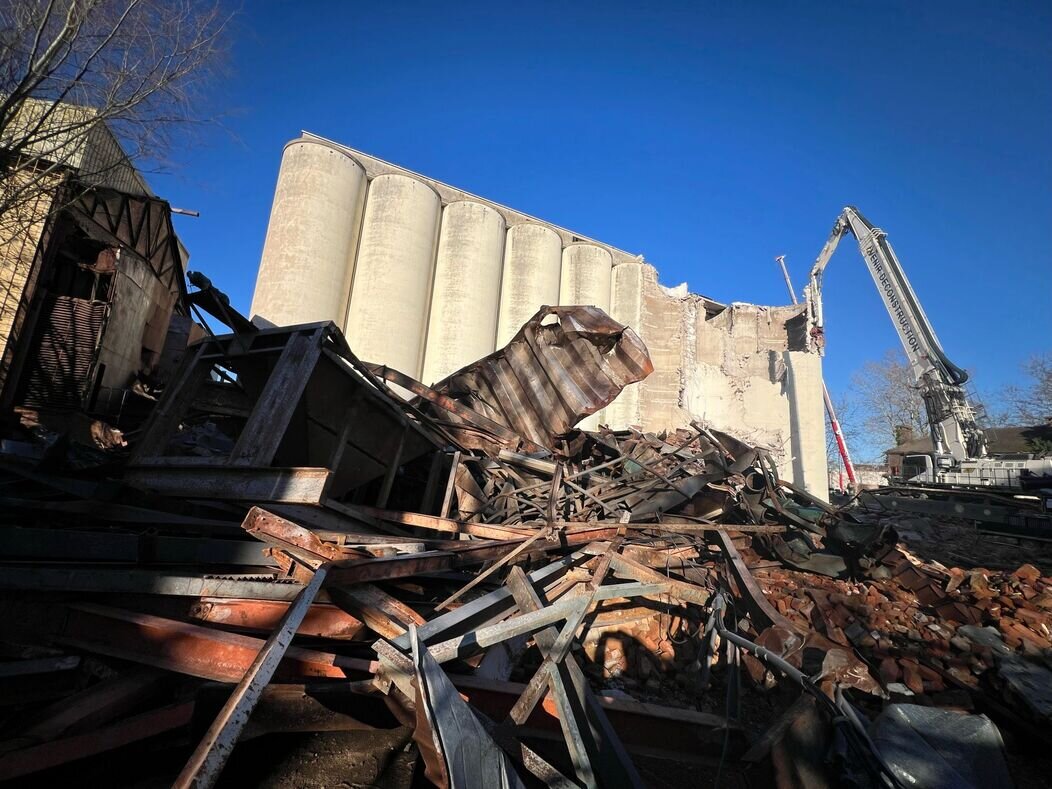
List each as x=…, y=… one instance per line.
x=466, y=295
x=586, y=276
x=391, y=290
x=586, y=279
x=626, y=306
x=308, y=256
x=532, y=265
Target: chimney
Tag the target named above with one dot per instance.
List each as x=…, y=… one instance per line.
x=903, y=433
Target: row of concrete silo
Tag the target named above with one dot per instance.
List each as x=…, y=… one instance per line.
x=423, y=287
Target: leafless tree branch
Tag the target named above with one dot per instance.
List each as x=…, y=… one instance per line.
x=82, y=79
x=1031, y=404
x=884, y=398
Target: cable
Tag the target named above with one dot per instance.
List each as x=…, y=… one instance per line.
x=733, y=678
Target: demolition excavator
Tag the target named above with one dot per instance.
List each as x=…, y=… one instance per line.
x=959, y=458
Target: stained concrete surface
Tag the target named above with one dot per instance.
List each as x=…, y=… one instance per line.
x=429, y=296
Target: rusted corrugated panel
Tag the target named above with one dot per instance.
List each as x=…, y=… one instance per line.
x=564, y=364
x=61, y=367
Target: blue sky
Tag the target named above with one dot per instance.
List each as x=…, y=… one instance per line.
x=709, y=137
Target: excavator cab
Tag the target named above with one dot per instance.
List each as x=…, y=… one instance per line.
x=918, y=468
x=925, y=468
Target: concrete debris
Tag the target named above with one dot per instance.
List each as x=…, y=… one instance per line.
x=290, y=545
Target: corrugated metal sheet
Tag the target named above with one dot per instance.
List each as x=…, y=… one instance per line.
x=62, y=364
x=564, y=364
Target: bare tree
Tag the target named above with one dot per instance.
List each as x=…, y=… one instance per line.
x=80, y=80
x=886, y=398
x=1032, y=404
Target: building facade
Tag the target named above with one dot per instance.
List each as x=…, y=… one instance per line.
x=91, y=276
x=427, y=278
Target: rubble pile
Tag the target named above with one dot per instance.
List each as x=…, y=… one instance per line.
x=926, y=628
x=477, y=594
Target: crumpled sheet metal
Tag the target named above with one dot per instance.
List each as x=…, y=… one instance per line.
x=564, y=364
x=931, y=747
x=464, y=755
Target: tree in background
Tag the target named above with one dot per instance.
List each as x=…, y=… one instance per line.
x=847, y=412
x=73, y=72
x=884, y=399
x=1032, y=404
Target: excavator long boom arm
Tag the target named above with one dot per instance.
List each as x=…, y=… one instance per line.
x=951, y=417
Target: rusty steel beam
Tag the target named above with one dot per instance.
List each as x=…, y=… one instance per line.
x=472, y=553
x=80, y=746
x=625, y=567
x=384, y=614
x=493, y=568
x=490, y=531
x=295, y=485
x=574, y=700
x=295, y=539
x=110, y=579
x=440, y=524
x=165, y=643
x=650, y=729
x=205, y=764
x=323, y=620
x=95, y=706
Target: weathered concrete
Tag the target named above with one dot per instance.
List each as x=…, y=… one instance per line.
x=626, y=306
x=428, y=300
x=532, y=263
x=391, y=290
x=586, y=276
x=308, y=256
x=466, y=295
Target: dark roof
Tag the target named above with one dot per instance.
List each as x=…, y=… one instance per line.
x=1002, y=440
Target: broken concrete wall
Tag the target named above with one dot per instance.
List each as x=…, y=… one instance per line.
x=746, y=369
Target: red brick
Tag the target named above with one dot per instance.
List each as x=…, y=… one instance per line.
x=889, y=670
x=1032, y=618
x=1027, y=573
x=912, y=678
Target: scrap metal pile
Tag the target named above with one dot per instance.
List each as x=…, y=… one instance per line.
x=293, y=547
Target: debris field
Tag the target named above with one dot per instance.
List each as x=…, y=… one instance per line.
x=450, y=585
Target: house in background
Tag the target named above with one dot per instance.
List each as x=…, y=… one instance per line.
x=869, y=476
x=1001, y=441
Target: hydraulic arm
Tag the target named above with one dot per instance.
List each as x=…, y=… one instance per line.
x=954, y=429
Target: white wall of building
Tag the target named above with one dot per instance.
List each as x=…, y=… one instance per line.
x=427, y=278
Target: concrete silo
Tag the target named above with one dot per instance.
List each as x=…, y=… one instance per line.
x=463, y=322
x=626, y=306
x=532, y=262
x=586, y=276
x=308, y=256
x=391, y=291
